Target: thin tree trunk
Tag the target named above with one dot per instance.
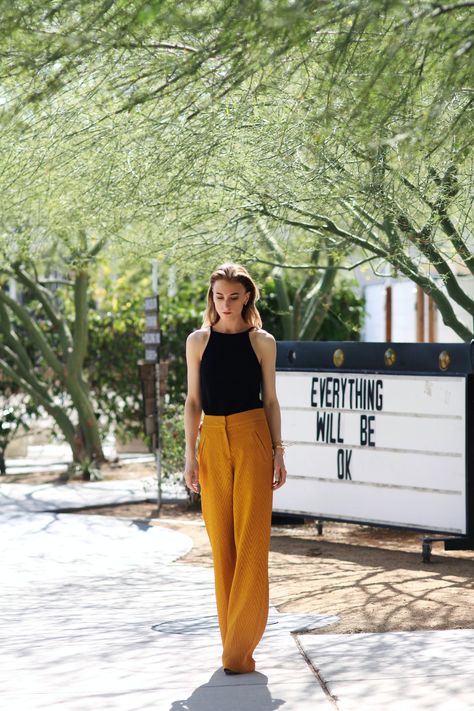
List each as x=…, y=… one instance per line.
x=88, y=425
x=77, y=388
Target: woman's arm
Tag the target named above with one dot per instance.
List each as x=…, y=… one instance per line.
x=267, y=349
x=192, y=411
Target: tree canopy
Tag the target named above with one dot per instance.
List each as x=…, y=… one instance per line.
x=177, y=127
x=136, y=52
x=305, y=136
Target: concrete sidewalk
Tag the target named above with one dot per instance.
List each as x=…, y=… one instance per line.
x=97, y=614
x=396, y=671
x=48, y=497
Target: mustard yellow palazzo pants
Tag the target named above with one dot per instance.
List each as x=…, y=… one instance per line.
x=235, y=475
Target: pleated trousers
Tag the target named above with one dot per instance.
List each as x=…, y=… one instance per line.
x=235, y=474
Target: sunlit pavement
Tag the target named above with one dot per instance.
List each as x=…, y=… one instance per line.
x=397, y=671
x=95, y=614
x=46, y=497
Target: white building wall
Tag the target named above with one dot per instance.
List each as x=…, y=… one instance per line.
x=374, y=323
x=404, y=298
x=404, y=312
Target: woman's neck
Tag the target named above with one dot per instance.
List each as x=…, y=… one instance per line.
x=229, y=327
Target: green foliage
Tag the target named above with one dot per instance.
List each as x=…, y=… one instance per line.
x=345, y=316
x=44, y=356
x=116, y=326
x=344, y=311
x=180, y=315
x=115, y=347
x=389, y=187
x=172, y=439
x=130, y=55
x=171, y=126
x=17, y=412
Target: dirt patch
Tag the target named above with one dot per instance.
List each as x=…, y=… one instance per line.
x=372, y=578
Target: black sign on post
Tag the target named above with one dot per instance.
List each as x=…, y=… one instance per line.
x=152, y=304
x=152, y=337
x=151, y=321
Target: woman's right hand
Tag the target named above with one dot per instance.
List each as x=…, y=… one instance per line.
x=191, y=474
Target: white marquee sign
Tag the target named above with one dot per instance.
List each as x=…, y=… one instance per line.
x=378, y=448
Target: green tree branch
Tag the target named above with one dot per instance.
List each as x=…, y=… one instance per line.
x=34, y=333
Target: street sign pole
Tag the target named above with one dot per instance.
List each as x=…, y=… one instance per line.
x=151, y=339
x=158, y=432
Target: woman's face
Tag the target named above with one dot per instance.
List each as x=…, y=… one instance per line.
x=229, y=298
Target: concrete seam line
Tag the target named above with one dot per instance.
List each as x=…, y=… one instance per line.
x=324, y=686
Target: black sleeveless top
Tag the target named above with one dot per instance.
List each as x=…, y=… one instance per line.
x=231, y=376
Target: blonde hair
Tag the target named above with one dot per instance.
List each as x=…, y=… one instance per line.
x=237, y=273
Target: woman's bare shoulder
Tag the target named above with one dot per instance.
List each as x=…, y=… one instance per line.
x=197, y=340
x=262, y=336
x=263, y=343
x=199, y=334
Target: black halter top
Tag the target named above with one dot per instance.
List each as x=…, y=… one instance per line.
x=230, y=375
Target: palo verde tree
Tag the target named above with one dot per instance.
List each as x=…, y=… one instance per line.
x=350, y=121
x=370, y=151
x=133, y=54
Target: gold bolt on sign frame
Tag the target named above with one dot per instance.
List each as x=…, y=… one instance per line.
x=444, y=360
x=390, y=357
x=338, y=357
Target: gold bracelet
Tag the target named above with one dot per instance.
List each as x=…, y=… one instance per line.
x=279, y=446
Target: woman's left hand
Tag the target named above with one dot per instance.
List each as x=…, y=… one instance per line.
x=279, y=469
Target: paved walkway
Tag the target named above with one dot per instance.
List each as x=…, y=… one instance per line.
x=96, y=614
x=397, y=671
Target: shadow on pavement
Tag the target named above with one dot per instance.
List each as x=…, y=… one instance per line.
x=217, y=694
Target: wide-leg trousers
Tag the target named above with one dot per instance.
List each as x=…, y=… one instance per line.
x=235, y=475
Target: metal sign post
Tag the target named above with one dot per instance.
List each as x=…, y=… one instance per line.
x=151, y=382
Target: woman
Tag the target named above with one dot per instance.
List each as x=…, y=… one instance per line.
x=239, y=463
